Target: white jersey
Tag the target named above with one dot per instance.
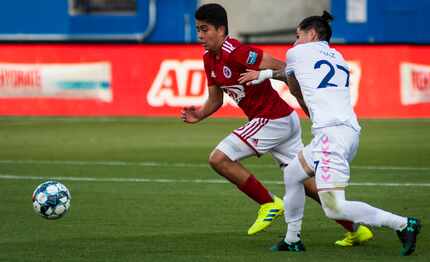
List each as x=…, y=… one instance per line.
x=323, y=76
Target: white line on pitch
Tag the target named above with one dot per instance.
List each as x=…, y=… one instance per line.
x=189, y=181
x=176, y=164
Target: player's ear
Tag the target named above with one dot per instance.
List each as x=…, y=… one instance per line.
x=222, y=30
x=313, y=35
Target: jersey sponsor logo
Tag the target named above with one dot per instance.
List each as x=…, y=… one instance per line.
x=252, y=58
x=415, y=83
x=226, y=71
x=236, y=92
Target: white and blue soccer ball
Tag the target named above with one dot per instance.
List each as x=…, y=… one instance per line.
x=51, y=199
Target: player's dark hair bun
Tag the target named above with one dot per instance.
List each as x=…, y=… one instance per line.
x=326, y=16
x=321, y=24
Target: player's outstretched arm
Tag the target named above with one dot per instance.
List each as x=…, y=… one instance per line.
x=252, y=77
x=270, y=68
x=213, y=103
x=269, y=62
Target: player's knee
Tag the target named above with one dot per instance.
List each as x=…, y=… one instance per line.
x=331, y=212
x=289, y=178
x=332, y=207
x=216, y=159
x=294, y=173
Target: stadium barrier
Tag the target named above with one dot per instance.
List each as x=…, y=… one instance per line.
x=386, y=81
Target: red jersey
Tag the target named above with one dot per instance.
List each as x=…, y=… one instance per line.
x=255, y=100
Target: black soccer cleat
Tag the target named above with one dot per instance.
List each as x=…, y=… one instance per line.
x=293, y=247
x=408, y=236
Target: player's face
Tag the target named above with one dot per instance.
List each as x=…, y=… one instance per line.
x=210, y=37
x=304, y=37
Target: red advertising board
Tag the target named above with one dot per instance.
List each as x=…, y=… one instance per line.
x=387, y=81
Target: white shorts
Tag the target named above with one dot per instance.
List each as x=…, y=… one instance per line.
x=281, y=137
x=329, y=154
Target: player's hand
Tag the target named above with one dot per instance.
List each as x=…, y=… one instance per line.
x=252, y=77
x=249, y=77
x=190, y=115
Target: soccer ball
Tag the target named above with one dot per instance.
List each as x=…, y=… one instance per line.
x=51, y=200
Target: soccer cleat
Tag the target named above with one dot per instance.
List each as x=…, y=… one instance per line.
x=293, y=247
x=267, y=214
x=408, y=236
x=359, y=237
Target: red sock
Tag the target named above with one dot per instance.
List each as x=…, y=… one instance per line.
x=348, y=225
x=255, y=190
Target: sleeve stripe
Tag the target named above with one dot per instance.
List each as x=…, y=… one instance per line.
x=227, y=50
x=228, y=44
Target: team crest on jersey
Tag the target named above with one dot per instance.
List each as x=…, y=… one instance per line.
x=252, y=58
x=226, y=71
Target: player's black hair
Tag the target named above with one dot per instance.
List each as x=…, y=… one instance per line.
x=320, y=24
x=213, y=14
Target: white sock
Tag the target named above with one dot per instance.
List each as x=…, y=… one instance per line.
x=293, y=232
x=391, y=220
x=359, y=212
x=294, y=198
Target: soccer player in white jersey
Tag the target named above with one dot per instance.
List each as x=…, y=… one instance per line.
x=318, y=77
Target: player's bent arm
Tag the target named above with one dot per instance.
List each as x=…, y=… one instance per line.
x=280, y=75
x=269, y=62
x=271, y=68
x=294, y=87
x=252, y=77
x=212, y=104
x=302, y=103
x=269, y=74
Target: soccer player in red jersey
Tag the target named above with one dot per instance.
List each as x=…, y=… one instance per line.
x=273, y=126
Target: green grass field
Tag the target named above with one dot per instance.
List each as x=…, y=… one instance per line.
x=142, y=191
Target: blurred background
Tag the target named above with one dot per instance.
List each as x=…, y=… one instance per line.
x=142, y=57
x=172, y=21
x=167, y=21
